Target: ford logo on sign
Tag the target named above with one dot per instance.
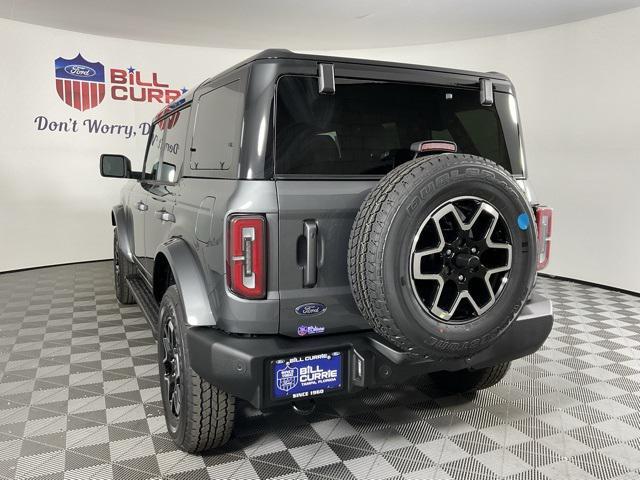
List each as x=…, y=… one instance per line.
x=311, y=309
x=81, y=71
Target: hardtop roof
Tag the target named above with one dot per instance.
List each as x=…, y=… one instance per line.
x=276, y=53
x=283, y=54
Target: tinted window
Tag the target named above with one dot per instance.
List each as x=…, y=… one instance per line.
x=368, y=127
x=216, y=137
x=175, y=126
x=154, y=149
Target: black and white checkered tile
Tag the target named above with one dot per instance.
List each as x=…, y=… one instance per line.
x=79, y=398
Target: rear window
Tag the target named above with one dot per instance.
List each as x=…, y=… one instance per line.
x=367, y=128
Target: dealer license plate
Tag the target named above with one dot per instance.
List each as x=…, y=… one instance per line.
x=306, y=375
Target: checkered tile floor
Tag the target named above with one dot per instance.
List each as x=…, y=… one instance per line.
x=79, y=398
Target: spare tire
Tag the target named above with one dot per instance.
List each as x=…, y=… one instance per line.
x=442, y=255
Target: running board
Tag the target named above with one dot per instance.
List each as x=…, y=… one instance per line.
x=146, y=301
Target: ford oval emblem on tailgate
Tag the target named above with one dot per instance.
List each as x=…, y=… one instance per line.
x=308, y=309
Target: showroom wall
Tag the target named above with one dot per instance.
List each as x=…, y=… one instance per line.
x=577, y=91
x=54, y=205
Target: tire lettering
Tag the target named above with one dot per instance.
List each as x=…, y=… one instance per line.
x=449, y=346
x=426, y=190
x=442, y=179
x=413, y=204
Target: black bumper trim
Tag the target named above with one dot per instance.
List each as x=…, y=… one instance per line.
x=238, y=364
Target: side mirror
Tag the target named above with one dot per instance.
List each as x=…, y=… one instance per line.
x=115, y=166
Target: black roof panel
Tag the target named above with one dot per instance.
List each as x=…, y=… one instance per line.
x=283, y=54
x=276, y=53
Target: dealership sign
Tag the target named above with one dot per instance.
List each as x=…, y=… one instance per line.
x=82, y=84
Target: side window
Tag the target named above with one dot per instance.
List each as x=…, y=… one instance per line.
x=175, y=126
x=152, y=162
x=216, y=136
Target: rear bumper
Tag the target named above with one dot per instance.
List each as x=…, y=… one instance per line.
x=240, y=365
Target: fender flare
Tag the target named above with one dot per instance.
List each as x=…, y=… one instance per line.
x=190, y=282
x=119, y=220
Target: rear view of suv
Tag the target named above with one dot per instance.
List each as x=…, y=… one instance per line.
x=311, y=226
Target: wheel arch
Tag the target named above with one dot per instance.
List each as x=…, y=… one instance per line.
x=119, y=221
x=176, y=263
x=162, y=276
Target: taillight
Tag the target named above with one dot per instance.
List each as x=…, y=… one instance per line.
x=544, y=216
x=246, y=259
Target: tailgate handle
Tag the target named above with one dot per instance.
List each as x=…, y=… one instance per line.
x=310, y=269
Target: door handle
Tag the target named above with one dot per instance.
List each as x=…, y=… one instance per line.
x=310, y=270
x=143, y=207
x=165, y=216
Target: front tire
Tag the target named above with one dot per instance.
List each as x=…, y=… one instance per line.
x=121, y=269
x=199, y=415
x=463, y=381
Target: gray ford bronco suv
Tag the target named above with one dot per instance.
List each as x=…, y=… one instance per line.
x=308, y=226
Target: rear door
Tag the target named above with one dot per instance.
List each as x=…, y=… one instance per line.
x=330, y=150
x=318, y=199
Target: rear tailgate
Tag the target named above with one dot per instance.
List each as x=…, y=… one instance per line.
x=329, y=208
x=330, y=150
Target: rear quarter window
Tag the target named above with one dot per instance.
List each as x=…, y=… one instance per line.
x=216, y=136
